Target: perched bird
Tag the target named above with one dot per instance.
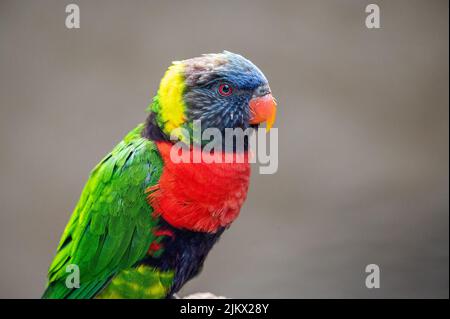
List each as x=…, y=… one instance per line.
x=144, y=224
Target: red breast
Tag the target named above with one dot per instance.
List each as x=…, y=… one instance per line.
x=199, y=196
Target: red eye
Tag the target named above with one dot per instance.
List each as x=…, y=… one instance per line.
x=225, y=89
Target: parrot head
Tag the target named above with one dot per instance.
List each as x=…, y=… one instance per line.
x=223, y=90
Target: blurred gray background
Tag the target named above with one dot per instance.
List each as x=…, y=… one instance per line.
x=363, y=129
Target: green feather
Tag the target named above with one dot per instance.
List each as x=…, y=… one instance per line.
x=109, y=231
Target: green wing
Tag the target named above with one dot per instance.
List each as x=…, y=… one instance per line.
x=110, y=228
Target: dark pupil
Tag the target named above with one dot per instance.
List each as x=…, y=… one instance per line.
x=226, y=89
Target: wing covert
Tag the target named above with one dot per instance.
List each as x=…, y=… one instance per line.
x=110, y=228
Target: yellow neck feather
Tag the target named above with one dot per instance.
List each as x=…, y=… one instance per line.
x=170, y=95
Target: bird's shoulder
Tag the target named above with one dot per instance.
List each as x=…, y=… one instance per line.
x=110, y=227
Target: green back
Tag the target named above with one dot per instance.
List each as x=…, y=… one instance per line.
x=110, y=229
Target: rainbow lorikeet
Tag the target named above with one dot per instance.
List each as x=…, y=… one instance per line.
x=144, y=224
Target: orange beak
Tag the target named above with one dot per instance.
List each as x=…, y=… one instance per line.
x=263, y=109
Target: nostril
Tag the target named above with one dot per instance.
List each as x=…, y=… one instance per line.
x=262, y=90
